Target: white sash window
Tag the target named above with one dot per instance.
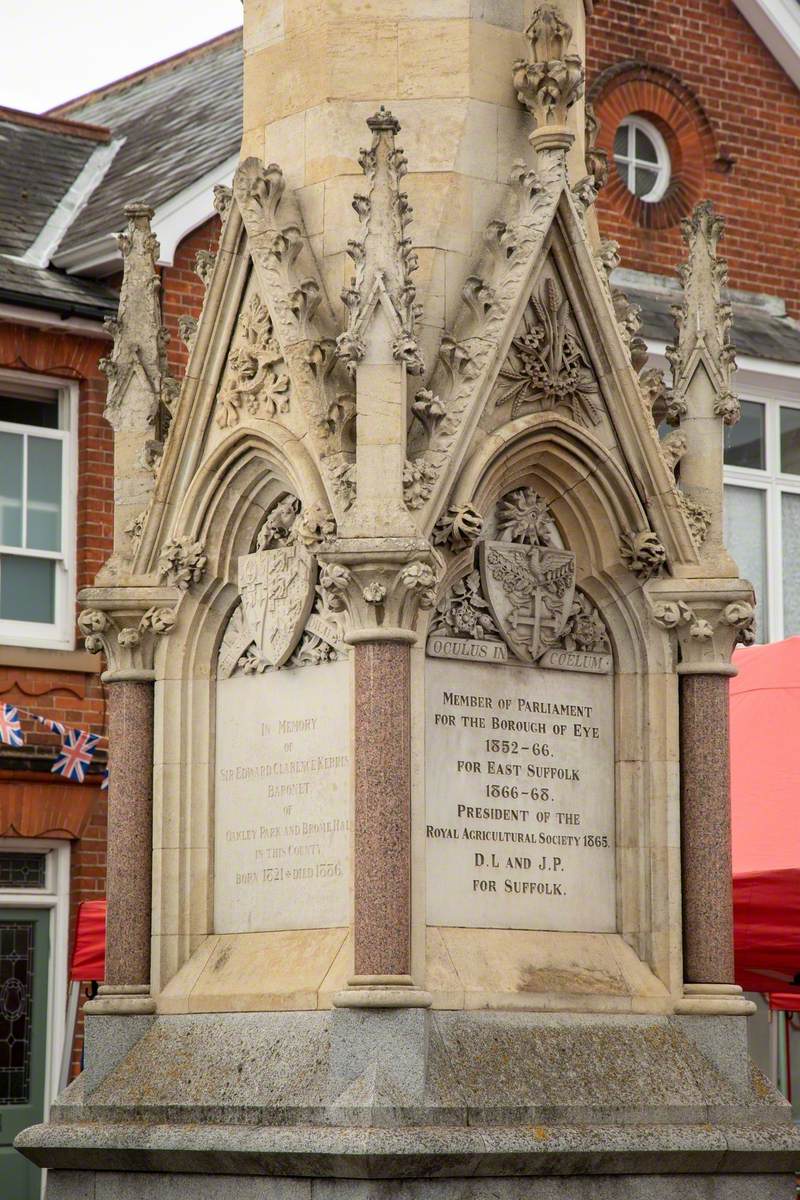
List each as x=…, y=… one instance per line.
x=37, y=522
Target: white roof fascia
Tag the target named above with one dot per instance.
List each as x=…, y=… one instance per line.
x=189, y=209
x=172, y=221
x=777, y=23
x=44, y=319
x=46, y=242
x=98, y=257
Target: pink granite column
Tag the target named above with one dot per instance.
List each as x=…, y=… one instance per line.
x=706, y=829
x=382, y=844
x=130, y=834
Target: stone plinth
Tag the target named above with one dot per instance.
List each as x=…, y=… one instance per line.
x=452, y=1104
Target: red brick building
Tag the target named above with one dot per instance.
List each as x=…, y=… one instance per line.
x=65, y=180
x=695, y=99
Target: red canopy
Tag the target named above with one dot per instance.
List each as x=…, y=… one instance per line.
x=89, y=951
x=765, y=800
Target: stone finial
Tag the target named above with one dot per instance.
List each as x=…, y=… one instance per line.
x=383, y=256
x=703, y=321
x=141, y=390
x=551, y=80
x=379, y=344
x=702, y=361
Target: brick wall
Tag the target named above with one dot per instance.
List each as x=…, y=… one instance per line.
x=753, y=114
x=75, y=698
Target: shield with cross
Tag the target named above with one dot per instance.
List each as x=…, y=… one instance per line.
x=277, y=590
x=530, y=590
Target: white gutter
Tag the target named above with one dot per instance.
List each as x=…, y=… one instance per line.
x=175, y=218
x=46, y=242
x=777, y=23
x=41, y=318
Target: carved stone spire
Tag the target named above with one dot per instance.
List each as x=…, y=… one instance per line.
x=551, y=79
x=379, y=344
x=140, y=389
x=383, y=256
x=703, y=363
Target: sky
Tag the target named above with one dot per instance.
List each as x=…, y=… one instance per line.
x=54, y=50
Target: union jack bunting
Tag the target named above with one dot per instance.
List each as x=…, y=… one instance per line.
x=10, y=728
x=77, y=750
x=53, y=726
x=104, y=784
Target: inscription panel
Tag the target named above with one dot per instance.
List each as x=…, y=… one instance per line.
x=282, y=810
x=520, y=825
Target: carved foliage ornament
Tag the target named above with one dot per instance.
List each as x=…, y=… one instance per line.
x=547, y=367
x=460, y=526
x=642, y=553
x=104, y=632
x=551, y=80
x=182, y=562
x=257, y=378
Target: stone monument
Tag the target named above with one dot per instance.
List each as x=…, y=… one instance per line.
x=417, y=657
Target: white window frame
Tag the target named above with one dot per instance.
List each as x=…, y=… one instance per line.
x=774, y=392
x=60, y=635
x=55, y=897
x=662, y=165
x=776, y=385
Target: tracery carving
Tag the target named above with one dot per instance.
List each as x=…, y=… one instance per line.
x=547, y=367
x=256, y=372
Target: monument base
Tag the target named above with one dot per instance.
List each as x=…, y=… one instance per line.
x=113, y=1185
x=366, y=1103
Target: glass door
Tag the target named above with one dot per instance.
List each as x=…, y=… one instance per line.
x=24, y=958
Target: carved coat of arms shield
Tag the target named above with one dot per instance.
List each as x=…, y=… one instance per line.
x=277, y=590
x=530, y=590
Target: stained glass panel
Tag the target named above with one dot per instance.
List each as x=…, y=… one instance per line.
x=20, y=870
x=16, y=987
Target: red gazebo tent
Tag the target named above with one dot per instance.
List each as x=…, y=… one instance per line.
x=88, y=962
x=765, y=802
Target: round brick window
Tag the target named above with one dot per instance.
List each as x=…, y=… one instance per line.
x=658, y=141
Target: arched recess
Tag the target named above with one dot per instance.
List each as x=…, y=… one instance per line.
x=224, y=507
x=593, y=504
